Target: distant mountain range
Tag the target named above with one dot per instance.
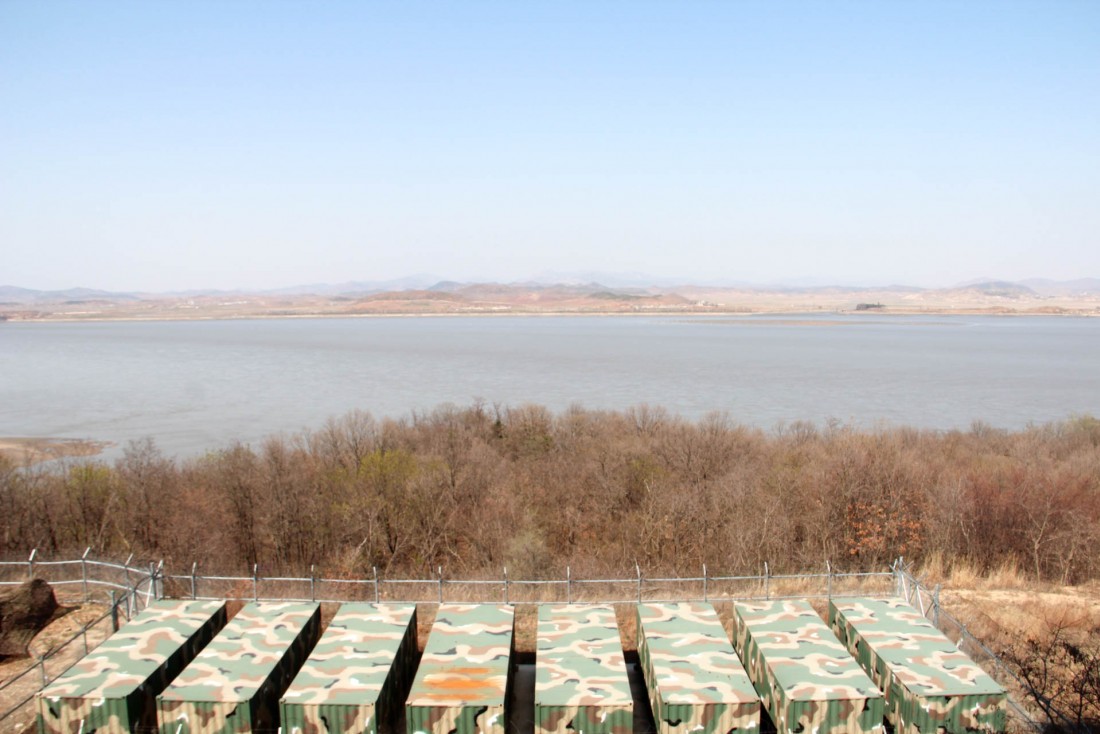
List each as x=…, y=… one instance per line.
x=14, y=294
x=560, y=284
x=1078, y=287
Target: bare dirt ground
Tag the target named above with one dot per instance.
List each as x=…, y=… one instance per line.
x=22, y=677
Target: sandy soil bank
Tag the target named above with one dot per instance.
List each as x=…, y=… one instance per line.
x=23, y=451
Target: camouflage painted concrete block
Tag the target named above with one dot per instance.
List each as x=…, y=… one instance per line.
x=805, y=677
x=357, y=675
x=113, y=689
x=929, y=683
x=581, y=684
x=233, y=685
x=465, y=675
x=695, y=680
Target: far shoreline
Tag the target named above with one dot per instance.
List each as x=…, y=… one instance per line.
x=671, y=313
x=496, y=300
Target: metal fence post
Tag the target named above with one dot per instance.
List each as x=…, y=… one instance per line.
x=375, y=569
x=84, y=634
x=114, y=613
x=312, y=583
x=84, y=572
x=194, y=570
x=131, y=593
x=505, y=584
x=129, y=583
x=704, y=583
x=30, y=563
x=828, y=579
x=42, y=669
x=936, y=609
x=638, y=570
x=767, y=582
x=255, y=582
x=441, y=584
x=568, y=585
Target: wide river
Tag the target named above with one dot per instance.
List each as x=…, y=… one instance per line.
x=199, y=385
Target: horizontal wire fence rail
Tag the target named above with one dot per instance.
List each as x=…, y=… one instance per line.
x=133, y=585
x=130, y=587
x=505, y=590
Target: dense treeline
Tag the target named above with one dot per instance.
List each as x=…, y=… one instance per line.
x=474, y=489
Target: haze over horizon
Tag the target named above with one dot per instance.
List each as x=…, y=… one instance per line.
x=166, y=147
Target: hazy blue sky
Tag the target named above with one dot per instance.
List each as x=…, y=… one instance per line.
x=164, y=145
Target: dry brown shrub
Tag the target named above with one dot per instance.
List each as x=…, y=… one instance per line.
x=474, y=489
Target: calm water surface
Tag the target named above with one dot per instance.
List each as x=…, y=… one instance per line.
x=200, y=385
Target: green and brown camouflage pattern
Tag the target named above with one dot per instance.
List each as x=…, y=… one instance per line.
x=233, y=685
x=113, y=689
x=581, y=684
x=695, y=681
x=805, y=677
x=929, y=683
x=357, y=675
x=465, y=675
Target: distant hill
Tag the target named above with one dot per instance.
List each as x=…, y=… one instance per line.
x=29, y=296
x=555, y=292
x=1078, y=287
x=412, y=295
x=1001, y=288
x=446, y=286
x=422, y=293
x=614, y=281
x=356, y=287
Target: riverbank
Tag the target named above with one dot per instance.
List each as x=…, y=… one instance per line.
x=25, y=451
x=69, y=319
x=561, y=301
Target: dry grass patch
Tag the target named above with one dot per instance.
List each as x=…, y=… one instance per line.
x=1049, y=636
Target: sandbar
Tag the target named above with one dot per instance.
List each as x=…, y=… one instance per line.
x=26, y=451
